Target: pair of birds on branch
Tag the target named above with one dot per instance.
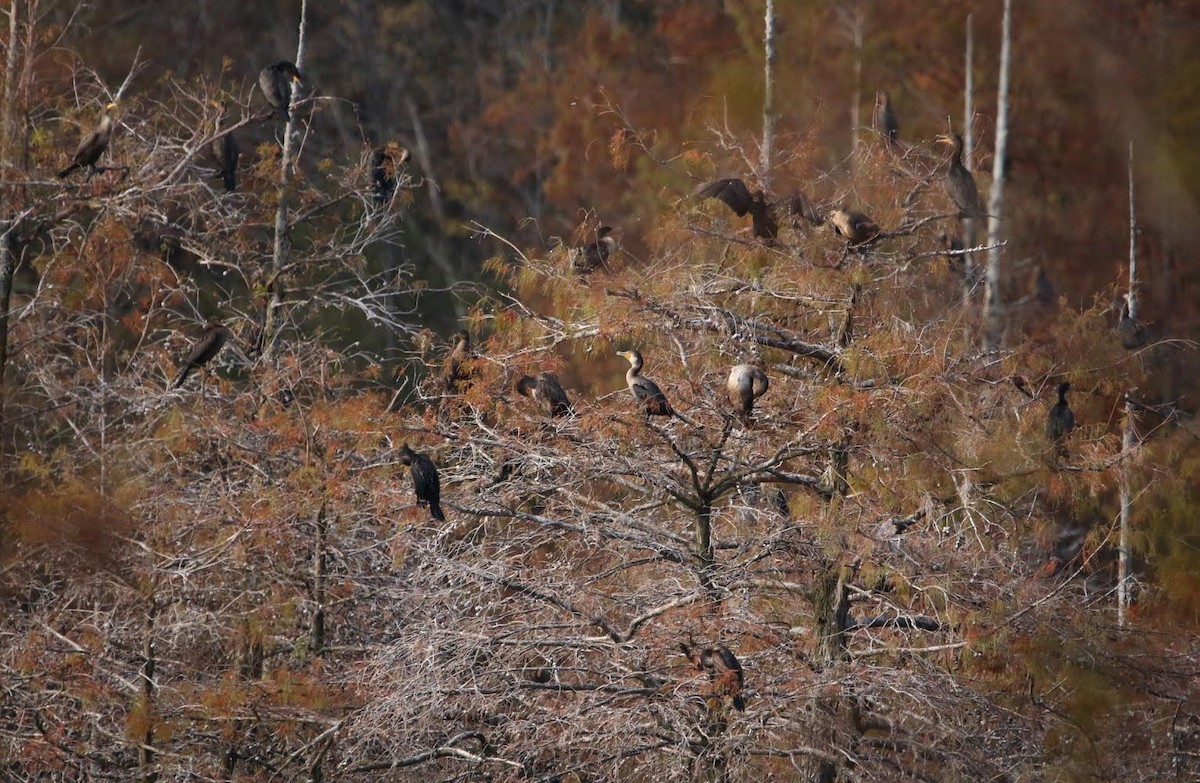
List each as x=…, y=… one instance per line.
x=746, y=383
x=855, y=227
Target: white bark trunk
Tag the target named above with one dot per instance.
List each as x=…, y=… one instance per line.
x=768, y=137
x=993, y=306
x=1128, y=437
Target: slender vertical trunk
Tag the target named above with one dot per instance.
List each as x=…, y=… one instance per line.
x=968, y=134
x=703, y=548
x=8, y=261
x=318, y=584
x=1128, y=437
x=272, y=323
x=993, y=306
x=856, y=99
x=149, y=662
x=768, y=137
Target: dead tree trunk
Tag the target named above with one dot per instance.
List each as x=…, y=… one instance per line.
x=968, y=134
x=8, y=260
x=281, y=249
x=1128, y=437
x=993, y=305
x=768, y=139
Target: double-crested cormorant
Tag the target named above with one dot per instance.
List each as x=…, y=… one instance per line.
x=205, y=348
x=723, y=669
x=545, y=389
x=226, y=151
x=93, y=145
x=960, y=184
x=884, y=119
x=1043, y=287
x=590, y=257
x=1132, y=331
x=1060, y=420
x=385, y=167
x=746, y=384
x=275, y=81
x=645, y=391
x=426, y=484
x=857, y=228
x=452, y=372
x=737, y=197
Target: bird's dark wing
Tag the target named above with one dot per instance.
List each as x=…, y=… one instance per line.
x=552, y=391
x=799, y=208
x=732, y=191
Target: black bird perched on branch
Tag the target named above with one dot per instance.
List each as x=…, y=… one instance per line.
x=651, y=398
x=426, y=484
x=723, y=669
x=546, y=390
x=745, y=385
x=385, y=170
x=225, y=149
x=960, y=183
x=590, y=257
x=857, y=228
x=884, y=119
x=276, y=81
x=205, y=348
x=93, y=145
x=1060, y=420
x=1132, y=331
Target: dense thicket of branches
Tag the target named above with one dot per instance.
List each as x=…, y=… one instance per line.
x=233, y=580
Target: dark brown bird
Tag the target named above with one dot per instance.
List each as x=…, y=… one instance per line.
x=225, y=149
x=1132, y=331
x=426, y=484
x=452, y=370
x=884, y=119
x=385, y=170
x=723, y=669
x=546, y=391
x=276, y=81
x=1060, y=420
x=93, y=145
x=204, y=349
x=734, y=193
x=1043, y=287
x=857, y=228
x=590, y=257
x=649, y=397
x=745, y=385
x=960, y=184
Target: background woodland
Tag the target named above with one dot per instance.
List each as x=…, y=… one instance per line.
x=232, y=580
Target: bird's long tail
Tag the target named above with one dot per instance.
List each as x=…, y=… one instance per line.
x=182, y=376
x=435, y=509
x=68, y=170
x=230, y=180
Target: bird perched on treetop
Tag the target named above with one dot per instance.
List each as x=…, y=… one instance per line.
x=92, y=146
x=385, y=170
x=590, y=257
x=204, y=349
x=276, y=81
x=649, y=397
x=723, y=669
x=884, y=119
x=1060, y=420
x=960, y=183
x=546, y=390
x=426, y=484
x=745, y=385
x=1132, y=331
x=225, y=149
